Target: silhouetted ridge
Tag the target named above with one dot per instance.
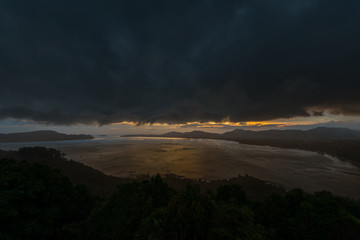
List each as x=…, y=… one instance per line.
x=38, y=136
x=313, y=134
x=316, y=133
x=334, y=132
x=77, y=172
x=193, y=134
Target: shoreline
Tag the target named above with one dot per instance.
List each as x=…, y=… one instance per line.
x=203, y=161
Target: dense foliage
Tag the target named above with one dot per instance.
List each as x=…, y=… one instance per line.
x=37, y=202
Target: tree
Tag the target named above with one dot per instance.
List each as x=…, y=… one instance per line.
x=36, y=202
x=189, y=215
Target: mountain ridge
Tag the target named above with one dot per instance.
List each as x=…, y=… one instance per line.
x=312, y=134
x=41, y=135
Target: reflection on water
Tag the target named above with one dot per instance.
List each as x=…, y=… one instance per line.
x=211, y=159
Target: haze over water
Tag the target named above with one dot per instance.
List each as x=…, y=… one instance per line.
x=210, y=159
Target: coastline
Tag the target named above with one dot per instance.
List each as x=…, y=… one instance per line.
x=214, y=159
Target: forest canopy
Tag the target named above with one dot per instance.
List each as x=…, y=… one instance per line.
x=38, y=202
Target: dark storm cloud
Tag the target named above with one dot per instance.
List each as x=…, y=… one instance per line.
x=65, y=62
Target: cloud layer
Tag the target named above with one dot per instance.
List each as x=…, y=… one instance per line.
x=98, y=62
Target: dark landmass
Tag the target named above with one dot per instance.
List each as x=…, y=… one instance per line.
x=193, y=134
x=39, y=136
x=342, y=143
x=320, y=133
x=38, y=202
x=78, y=173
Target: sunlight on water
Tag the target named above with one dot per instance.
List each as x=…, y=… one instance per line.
x=210, y=159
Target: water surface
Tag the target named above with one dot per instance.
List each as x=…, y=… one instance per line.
x=210, y=159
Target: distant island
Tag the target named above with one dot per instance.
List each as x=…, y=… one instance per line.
x=40, y=136
x=342, y=143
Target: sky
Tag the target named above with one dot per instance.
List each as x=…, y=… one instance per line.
x=152, y=66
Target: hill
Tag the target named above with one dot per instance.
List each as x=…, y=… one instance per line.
x=193, y=134
x=78, y=173
x=38, y=202
x=312, y=134
x=39, y=136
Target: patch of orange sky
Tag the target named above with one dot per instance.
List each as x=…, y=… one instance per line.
x=212, y=124
x=276, y=123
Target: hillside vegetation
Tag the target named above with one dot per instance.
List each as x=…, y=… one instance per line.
x=38, y=202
